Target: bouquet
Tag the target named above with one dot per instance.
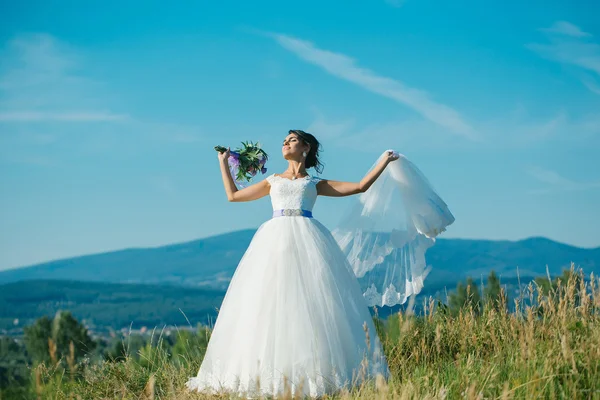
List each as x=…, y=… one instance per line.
x=246, y=162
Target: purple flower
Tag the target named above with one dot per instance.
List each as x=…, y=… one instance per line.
x=245, y=162
x=234, y=162
x=234, y=170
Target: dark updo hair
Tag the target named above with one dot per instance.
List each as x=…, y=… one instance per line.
x=312, y=158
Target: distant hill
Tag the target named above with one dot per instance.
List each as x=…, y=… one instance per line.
x=201, y=262
x=211, y=262
x=106, y=305
x=152, y=287
x=455, y=259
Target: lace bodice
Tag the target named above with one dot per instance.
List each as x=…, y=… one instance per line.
x=300, y=193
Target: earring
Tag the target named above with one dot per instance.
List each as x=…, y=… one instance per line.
x=304, y=154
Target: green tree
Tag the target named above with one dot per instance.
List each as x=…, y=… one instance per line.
x=50, y=340
x=13, y=367
x=466, y=296
x=493, y=291
x=36, y=339
x=66, y=329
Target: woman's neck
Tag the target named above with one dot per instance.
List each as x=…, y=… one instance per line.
x=296, y=168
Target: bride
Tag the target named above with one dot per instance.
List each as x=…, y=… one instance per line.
x=294, y=317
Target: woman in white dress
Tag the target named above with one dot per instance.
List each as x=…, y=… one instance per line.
x=294, y=316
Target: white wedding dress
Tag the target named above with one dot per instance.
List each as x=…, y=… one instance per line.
x=294, y=315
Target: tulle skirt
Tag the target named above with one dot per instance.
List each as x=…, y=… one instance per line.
x=293, y=318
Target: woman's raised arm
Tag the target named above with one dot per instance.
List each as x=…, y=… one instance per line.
x=252, y=192
x=338, y=189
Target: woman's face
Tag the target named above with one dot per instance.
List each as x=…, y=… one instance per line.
x=293, y=147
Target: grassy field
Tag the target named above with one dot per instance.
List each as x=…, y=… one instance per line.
x=548, y=348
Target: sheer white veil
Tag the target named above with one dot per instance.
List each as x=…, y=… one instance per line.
x=388, y=229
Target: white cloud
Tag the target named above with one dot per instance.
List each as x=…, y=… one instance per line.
x=557, y=182
x=584, y=55
x=29, y=159
x=169, y=132
x=590, y=126
x=41, y=79
x=550, y=177
x=31, y=116
x=345, y=67
x=559, y=128
x=566, y=28
x=516, y=130
x=528, y=132
x=574, y=49
x=47, y=96
x=591, y=84
x=326, y=129
x=404, y=135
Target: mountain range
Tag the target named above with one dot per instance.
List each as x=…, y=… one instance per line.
x=211, y=262
x=183, y=284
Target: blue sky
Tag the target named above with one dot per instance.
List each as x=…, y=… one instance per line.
x=109, y=113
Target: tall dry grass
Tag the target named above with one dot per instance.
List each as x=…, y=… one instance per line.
x=548, y=348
